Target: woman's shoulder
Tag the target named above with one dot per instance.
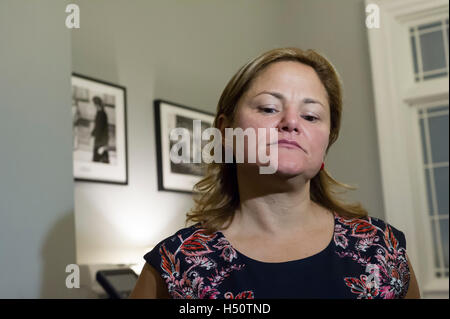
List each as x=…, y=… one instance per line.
x=378, y=252
x=192, y=240
x=175, y=237
x=371, y=227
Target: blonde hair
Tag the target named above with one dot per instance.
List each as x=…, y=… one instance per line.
x=216, y=196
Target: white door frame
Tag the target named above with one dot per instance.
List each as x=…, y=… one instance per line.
x=396, y=98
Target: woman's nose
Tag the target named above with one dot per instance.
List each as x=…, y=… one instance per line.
x=289, y=122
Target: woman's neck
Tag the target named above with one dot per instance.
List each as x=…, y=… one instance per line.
x=274, y=204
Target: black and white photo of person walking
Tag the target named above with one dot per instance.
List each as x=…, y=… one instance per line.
x=99, y=135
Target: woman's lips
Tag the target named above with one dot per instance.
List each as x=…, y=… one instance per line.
x=290, y=144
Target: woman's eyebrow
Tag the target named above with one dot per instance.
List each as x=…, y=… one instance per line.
x=306, y=100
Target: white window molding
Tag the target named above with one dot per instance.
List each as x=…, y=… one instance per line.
x=397, y=97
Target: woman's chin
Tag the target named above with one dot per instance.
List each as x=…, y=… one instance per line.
x=288, y=171
x=285, y=170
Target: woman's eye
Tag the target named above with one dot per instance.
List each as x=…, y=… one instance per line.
x=310, y=118
x=268, y=110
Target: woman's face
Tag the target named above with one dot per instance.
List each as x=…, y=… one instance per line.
x=289, y=97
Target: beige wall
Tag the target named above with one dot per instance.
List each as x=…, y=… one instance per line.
x=185, y=52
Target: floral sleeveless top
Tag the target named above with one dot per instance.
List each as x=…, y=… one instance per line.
x=366, y=259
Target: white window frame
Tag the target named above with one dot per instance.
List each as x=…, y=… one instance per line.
x=397, y=97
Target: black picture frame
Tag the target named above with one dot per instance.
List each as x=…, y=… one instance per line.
x=99, y=122
x=176, y=177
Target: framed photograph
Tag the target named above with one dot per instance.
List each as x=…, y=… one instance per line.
x=99, y=125
x=178, y=177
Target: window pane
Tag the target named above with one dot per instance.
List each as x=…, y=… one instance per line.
x=413, y=47
x=439, y=138
x=433, y=53
x=444, y=240
x=429, y=198
x=433, y=76
x=422, y=136
x=429, y=26
x=436, y=109
x=428, y=49
x=441, y=188
x=435, y=243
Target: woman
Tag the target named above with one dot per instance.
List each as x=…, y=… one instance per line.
x=281, y=235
